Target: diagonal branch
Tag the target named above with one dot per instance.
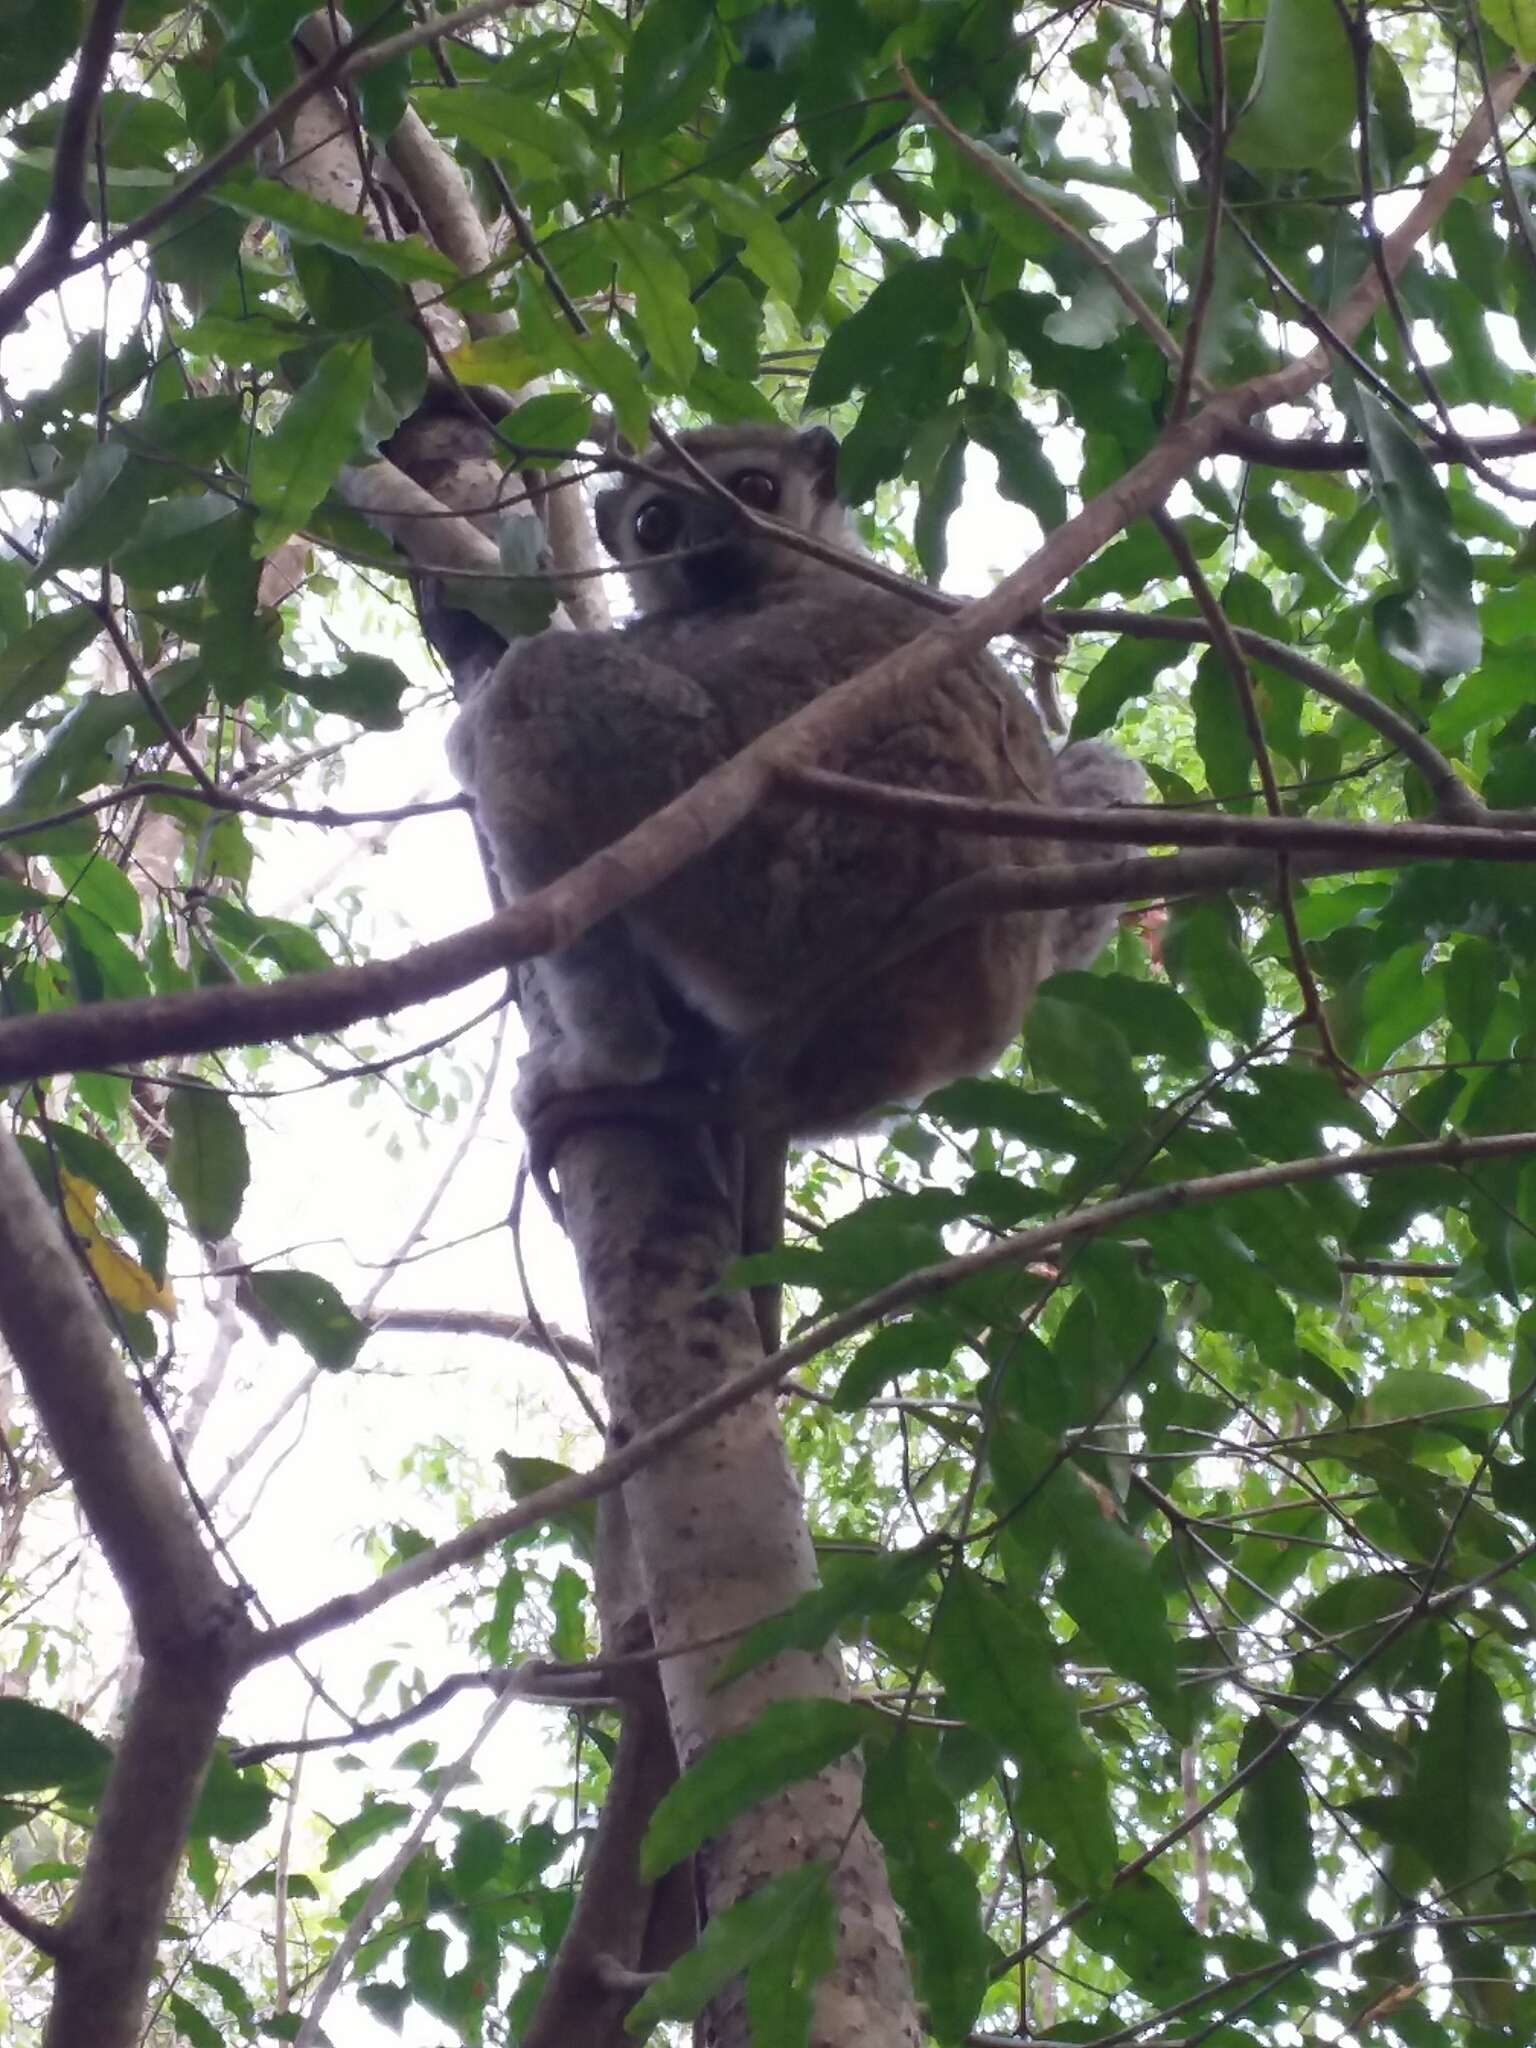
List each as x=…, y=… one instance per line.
x=1020, y=1249
x=996, y=172
x=191, y=1628
x=108, y=1033
x=365, y=52
x=67, y=210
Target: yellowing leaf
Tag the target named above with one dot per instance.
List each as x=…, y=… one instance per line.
x=123, y=1280
x=493, y=359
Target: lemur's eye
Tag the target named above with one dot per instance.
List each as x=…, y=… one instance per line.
x=757, y=489
x=657, y=525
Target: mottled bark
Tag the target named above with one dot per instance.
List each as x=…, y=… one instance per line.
x=720, y=1535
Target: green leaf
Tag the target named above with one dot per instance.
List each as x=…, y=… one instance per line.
x=1202, y=955
x=195, y=431
x=549, y=424
x=1461, y=1785
x=377, y=1817
x=1433, y=627
x=1109, y=1584
x=1082, y=1053
x=567, y=1599
x=914, y=301
x=1290, y=1110
x=366, y=688
x=595, y=360
x=93, y=883
x=22, y=205
x=1221, y=732
x=1026, y=474
x=539, y=139
x=206, y=1164
x=854, y=1587
x=77, y=751
x=788, y=1924
x=767, y=251
x=133, y=1205
x=1473, y=977
x=310, y=1309
x=293, y=467
x=998, y=1672
x=192, y=2025
x=917, y=1822
x=1495, y=691
x=1140, y=1927
x=292, y=947
x=654, y=275
x=39, y=37
x=918, y=1345
x=1151, y=1017
x=177, y=540
x=788, y=1741
x=1515, y=21
x=578, y=1524
x=41, y=1749
x=37, y=661
x=100, y=965
x=1128, y=668
x=233, y=1804
x=1274, y=1826
x=1402, y=997
x=1029, y=1114
x=671, y=64
x=1418, y=1394
x=407, y=259
x=229, y=1991
x=259, y=340
x=478, y=1853
x=101, y=509
x=782, y=1979
x=1303, y=102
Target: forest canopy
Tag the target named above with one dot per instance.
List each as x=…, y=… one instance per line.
x=1145, y=1655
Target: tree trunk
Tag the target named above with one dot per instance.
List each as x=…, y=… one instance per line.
x=721, y=1540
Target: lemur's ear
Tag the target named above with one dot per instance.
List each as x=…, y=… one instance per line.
x=819, y=446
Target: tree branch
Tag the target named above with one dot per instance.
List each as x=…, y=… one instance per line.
x=198, y=1021
x=1019, y=1249
x=37, y=1933
x=1277, y=451
x=483, y=1322
x=67, y=211
x=121, y=1033
x=1451, y=795
x=1154, y=826
x=364, y=52
x=997, y=172
x=191, y=1628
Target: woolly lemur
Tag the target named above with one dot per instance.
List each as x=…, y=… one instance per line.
x=578, y=736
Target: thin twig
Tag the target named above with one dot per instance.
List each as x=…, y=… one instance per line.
x=1451, y=795
x=1021, y=1248
x=1215, y=164
x=1158, y=825
x=996, y=172
x=1224, y=641
x=68, y=213
x=382, y=1890
x=361, y=54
